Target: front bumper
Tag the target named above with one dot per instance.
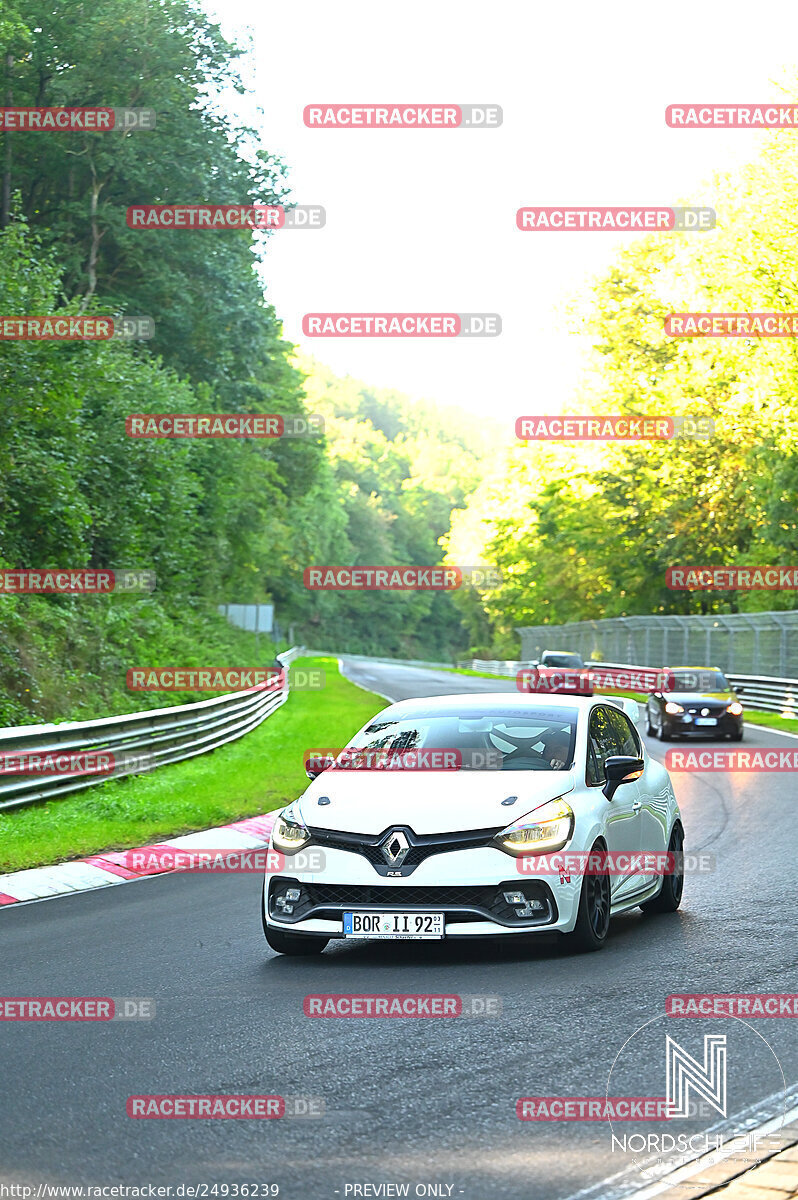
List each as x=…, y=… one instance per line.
x=685, y=725
x=467, y=886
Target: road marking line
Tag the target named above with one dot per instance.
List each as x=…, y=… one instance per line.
x=625, y=1180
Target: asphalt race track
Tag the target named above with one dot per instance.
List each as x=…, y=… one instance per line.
x=416, y=1101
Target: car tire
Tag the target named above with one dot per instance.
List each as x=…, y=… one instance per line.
x=593, y=915
x=738, y=736
x=665, y=734
x=649, y=726
x=670, y=894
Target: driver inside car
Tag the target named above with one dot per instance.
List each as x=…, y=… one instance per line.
x=557, y=748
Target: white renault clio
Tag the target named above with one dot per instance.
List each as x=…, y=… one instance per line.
x=481, y=850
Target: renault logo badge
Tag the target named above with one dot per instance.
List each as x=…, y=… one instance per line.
x=394, y=848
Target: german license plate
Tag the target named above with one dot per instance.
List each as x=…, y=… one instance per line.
x=397, y=926
x=706, y=720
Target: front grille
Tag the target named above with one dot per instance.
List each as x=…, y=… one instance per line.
x=462, y=903
x=422, y=846
x=391, y=897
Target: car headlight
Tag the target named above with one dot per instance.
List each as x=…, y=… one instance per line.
x=735, y=708
x=288, y=833
x=542, y=831
x=672, y=707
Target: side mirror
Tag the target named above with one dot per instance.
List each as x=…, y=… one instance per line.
x=316, y=763
x=621, y=768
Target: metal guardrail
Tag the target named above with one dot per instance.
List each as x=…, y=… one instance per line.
x=139, y=741
x=764, y=692
x=767, y=693
x=495, y=666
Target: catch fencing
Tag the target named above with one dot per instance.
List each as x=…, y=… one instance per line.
x=760, y=644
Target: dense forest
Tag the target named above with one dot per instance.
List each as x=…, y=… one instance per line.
x=218, y=521
x=585, y=531
x=577, y=532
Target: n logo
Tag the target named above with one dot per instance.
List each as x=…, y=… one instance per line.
x=684, y=1073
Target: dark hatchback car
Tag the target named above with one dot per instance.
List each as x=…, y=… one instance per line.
x=699, y=702
x=561, y=659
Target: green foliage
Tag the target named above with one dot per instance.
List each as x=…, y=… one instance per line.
x=399, y=470
x=211, y=321
x=584, y=532
x=217, y=520
x=66, y=657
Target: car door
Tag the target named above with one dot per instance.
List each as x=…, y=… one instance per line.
x=606, y=737
x=654, y=805
x=655, y=801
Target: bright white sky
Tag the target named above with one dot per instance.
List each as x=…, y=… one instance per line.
x=425, y=220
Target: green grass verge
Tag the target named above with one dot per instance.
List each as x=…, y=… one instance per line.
x=753, y=716
x=259, y=772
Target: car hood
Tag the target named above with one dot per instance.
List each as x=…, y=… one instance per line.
x=700, y=697
x=430, y=801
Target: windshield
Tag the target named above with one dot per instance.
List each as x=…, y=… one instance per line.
x=561, y=660
x=698, y=681
x=536, y=740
